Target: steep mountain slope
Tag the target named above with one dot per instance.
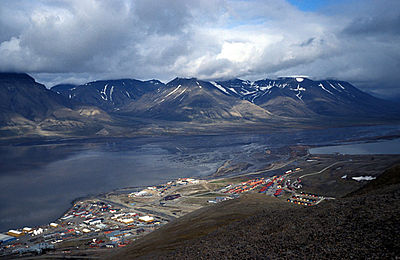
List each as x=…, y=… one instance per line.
x=194, y=100
x=28, y=108
x=109, y=95
x=299, y=96
x=64, y=89
x=21, y=95
x=142, y=106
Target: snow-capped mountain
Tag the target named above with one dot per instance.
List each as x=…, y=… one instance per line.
x=194, y=100
x=28, y=107
x=109, y=95
x=300, y=96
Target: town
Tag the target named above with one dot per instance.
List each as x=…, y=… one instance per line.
x=117, y=219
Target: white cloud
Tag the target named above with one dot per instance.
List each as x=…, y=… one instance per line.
x=205, y=38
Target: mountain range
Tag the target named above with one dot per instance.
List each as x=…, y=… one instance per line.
x=287, y=96
x=299, y=96
x=129, y=106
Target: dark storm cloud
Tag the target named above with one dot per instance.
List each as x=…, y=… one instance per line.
x=162, y=17
x=77, y=40
x=373, y=17
x=374, y=25
x=373, y=37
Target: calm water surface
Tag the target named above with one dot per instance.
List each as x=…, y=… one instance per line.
x=39, y=181
x=378, y=147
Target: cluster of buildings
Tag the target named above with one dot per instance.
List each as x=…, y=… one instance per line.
x=161, y=190
x=277, y=184
x=107, y=224
x=271, y=186
x=306, y=199
x=243, y=186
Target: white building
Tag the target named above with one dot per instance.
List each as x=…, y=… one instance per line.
x=146, y=219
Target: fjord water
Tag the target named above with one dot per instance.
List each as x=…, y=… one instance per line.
x=39, y=181
x=377, y=147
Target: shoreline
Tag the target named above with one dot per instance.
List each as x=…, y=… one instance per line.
x=114, y=192
x=105, y=206
x=22, y=141
x=209, y=177
x=196, y=194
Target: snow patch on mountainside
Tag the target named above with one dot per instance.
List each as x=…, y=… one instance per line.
x=103, y=93
x=298, y=88
x=265, y=88
x=173, y=91
x=111, y=92
x=215, y=84
x=245, y=92
x=322, y=86
x=363, y=178
x=180, y=93
x=334, y=87
x=299, y=91
x=233, y=90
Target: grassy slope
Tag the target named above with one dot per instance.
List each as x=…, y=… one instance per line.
x=362, y=225
x=198, y=224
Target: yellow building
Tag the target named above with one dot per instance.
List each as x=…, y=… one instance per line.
x=15, y=233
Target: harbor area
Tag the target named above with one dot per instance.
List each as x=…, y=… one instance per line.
x=119, y=218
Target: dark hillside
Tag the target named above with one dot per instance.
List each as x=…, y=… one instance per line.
x=389, y=177
x=362, y=226
x=21, y=95
x=198, y=224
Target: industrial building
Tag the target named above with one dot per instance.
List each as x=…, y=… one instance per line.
x=6, y=238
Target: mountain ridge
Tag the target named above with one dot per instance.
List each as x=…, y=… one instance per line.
x=285, y=96
x=191, y=99
x=28, y=108
x=322, y=97
x=126, y=107
x=106, y=94
x=21, y=94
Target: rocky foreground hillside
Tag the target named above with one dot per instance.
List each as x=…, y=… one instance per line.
x=361, y=225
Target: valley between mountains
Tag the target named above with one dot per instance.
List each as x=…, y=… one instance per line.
x=256, y=177
x=129, y=107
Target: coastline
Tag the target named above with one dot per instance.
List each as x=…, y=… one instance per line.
x=127, y=189
x=160, y=205
x=210, y=177
x=116, y=219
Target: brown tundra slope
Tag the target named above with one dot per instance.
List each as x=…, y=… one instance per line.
x=364, y=224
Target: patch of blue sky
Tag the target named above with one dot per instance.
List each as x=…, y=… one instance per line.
x=317, y=5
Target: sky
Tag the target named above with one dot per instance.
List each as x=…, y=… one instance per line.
x=78, y=41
